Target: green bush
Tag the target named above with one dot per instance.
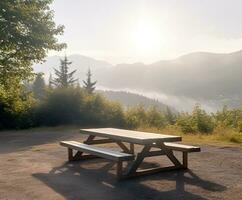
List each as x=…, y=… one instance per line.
x=61, y=106
x=15, y=107
x=184, y=121
x=155, y=118
x=240, y=126
x=75, y=106
x=197, y=121
x=140, y=117
x=136, y=117
x=98, y=111
x=201, y=120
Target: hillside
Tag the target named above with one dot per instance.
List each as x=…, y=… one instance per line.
x=209, y=78
x=130, y=99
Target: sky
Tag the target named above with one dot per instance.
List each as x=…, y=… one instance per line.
x=128, y=31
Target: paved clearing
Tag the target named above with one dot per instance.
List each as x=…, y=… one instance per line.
x=33, y=166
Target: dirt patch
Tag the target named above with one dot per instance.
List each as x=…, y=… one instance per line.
x=33, y=166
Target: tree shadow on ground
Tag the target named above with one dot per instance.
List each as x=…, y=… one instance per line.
x=13, y=141
x=90, y=180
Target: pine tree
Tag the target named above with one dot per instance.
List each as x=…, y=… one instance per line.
x=170, y=117
x=50, y=82
x=64, y=78
x=39, y=86
x=89, y=86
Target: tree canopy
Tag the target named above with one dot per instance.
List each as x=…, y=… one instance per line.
x=64, y=78
x=88, y=84
x=27, y=33
x=39, y=86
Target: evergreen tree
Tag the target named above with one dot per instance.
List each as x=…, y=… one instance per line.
x=39, y=86
x=50, y=82
x=64, y=78
x=89, y=86
x=170, y=117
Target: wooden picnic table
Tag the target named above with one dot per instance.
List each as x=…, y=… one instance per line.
x=152, y=144
x=146, y=140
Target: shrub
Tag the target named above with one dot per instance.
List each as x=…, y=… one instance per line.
x=185, y=122
x=197, y=121
x=155, y=118
x=99, y=111
x=240, y=126
x=61, y=106
x=136, y=117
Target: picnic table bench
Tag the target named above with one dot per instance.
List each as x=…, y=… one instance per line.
x=160, y=143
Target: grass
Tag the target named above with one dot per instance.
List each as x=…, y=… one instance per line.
x=220, y=136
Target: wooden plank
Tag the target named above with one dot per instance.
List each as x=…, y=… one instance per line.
x=136, y=137
x=87, y=157
x=182, y=147
x=150, y=171
x=100, y=141
x=132, y=148
x=155, y=153
x=122, y=146
x=89, y=139
x=98, y=151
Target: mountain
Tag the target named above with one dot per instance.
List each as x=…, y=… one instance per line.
x=79, y=62
x=130, y=99
x=209, y=78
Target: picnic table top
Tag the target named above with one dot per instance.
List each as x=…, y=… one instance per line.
x=138, y=137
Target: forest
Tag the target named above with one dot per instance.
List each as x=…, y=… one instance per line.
x=27, y=101
x=63, y=101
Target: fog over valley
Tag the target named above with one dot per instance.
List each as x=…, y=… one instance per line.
x=213, y=80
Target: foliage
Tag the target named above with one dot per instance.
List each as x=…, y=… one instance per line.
x=229, y=118
x=75, y=106
x=39, y=86
x=140, y=117
x=61, y=106
x=64, y=78
x=15, y=103
x=99, y=111
x=184, y=121
x=27, y=33
x=170, y=116
x=88, y=84
x=197, y=121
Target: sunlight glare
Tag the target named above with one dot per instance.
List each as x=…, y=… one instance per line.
x=146, y=36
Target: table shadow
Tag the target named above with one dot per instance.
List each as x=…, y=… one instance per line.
x=77, y=180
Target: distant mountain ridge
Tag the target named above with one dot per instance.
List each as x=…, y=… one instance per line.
x=130, y=99
x=199, y=77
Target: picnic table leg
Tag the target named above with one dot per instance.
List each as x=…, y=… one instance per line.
x=171, y=156
x=140, y=157
x=119, y=169
x=132, y=148
x=79, y=155
x=70, y=154
x=185, y=159
x=123, y=147
x=132, y=170
x=89, y=139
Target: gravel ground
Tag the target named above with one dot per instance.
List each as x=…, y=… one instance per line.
x=34, y=166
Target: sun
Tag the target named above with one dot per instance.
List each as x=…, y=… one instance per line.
x=146, y=36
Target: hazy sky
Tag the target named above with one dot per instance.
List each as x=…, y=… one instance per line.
x=125, y=31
